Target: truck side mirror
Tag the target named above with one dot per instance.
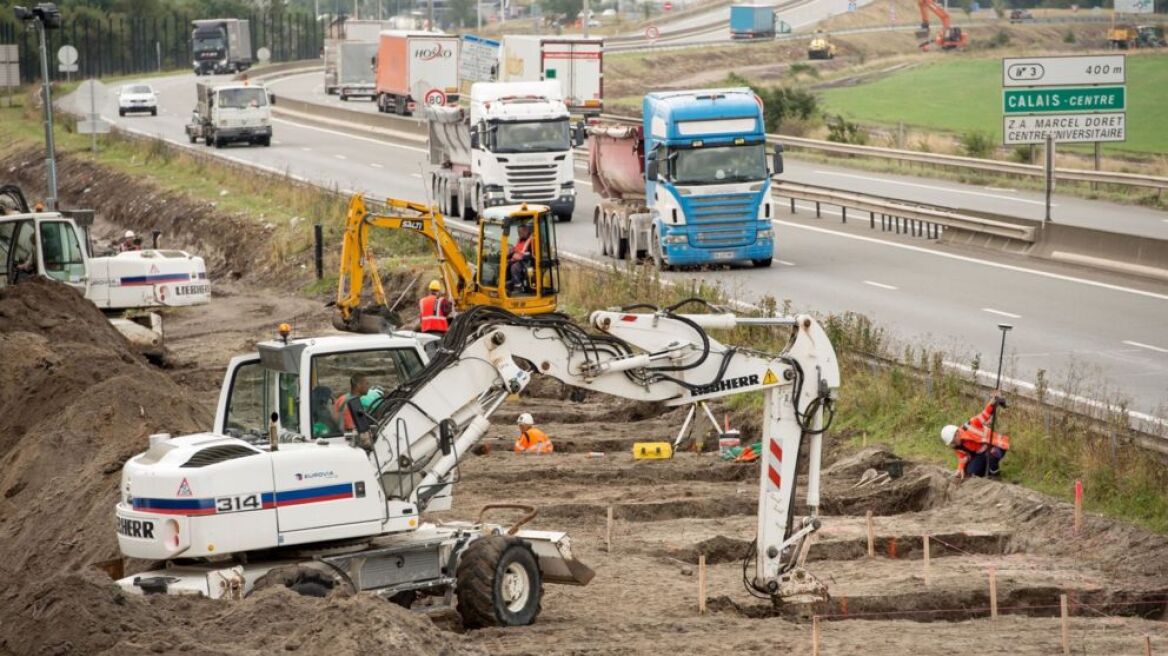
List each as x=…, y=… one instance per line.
x=578, y=133
x=777, y=166
x=271, y=99
x=651, y=169
x=474, y=138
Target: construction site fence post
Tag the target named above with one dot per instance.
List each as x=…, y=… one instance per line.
x=993, y=594
x=318, y=250
x=925, y=544
x=815, y=635
x=1063, y=628
x=871, y=536
x=702, y=584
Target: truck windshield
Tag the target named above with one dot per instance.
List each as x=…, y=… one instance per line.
x=242, y=98
x=718, y=164
x=531, y=137
x=214, y=42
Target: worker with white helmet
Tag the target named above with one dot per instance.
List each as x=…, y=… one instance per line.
x=979, y=448
x=434, y=310
x=130, y=242
x=531, y=439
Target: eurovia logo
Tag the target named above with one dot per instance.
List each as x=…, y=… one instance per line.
x=432, y=52
x=315, y=475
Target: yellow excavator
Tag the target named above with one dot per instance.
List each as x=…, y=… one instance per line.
x=517, y=265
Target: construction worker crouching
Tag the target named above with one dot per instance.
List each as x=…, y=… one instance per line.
x=979, y=448
x=531, y=439
x=434, y=310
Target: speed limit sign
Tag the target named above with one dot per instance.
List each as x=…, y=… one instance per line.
x=435, y=97
x=652, y=32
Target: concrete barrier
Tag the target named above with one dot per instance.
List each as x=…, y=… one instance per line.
x=1121, y=253
x=349, y=121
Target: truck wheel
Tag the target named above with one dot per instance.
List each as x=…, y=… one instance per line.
x=265, y=141
x=656, y=252
x=564, y=218
x=305, y=581
x=154, y=111
x=344, y=98
x=498, y=583
x=192, y=138
x=602, y=234
x=620, y=245
x=218, y=142
x=763, y=263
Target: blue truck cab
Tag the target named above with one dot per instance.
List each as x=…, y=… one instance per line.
x=707, y=183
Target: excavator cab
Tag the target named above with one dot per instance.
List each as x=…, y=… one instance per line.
x=518, y=259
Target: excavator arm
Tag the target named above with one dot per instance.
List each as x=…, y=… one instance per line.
x=950, y=37
x=359, y=262
x=420, y=431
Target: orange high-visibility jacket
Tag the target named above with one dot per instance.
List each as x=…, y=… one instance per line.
x=974, y=436
x=533, y=440
x=521, y=248
x=433, y=314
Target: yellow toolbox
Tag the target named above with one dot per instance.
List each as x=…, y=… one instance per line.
x=652, y=450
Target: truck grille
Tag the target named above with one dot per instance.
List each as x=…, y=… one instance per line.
x=723, y=220
x=531, y=182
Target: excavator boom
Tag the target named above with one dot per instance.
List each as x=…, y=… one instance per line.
x=949, y=38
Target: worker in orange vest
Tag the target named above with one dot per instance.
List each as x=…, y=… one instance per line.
x=520, y=253
x=434, y=310
x=979, y=448
x=531, y=439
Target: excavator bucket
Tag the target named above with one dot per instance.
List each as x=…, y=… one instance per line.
x=557, y=564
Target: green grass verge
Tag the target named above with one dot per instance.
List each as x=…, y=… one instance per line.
x=901, y=406
x=965, y=94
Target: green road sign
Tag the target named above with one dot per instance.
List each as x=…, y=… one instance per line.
x=1053, y=100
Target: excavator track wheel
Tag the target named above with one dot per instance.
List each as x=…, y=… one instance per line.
x=303, y=580
x=498, y=583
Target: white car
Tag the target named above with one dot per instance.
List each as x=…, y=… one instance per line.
x=137, y=98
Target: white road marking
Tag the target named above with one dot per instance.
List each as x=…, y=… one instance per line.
x=1001, y=313
x=346, y=135
x=306, y=149
x=973, y=260
x=416, y=175
x=935, y=188
x=1001, y=189
x=376, y=165
x=340, y=157
x=785, y=263
x=276, y=143
x=1145, y=346
x=879, y=284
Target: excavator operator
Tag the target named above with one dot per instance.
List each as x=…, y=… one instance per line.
x=520, y=258
x=358, y=389
x=979, y=448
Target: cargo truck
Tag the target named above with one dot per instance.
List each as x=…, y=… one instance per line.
x=230, y=112
x=514, y=146
x=221, y=45
x=415, y=68
x=577, y=64
x=690, y=185
x=355, y=74
x=752, y=22
x=342, y=31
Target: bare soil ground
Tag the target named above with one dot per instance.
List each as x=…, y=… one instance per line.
x=76, y=401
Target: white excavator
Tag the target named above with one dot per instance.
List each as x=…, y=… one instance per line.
x=126, y=286
x=285, y=492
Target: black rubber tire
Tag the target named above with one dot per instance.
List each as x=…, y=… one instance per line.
x=121, y=112
x=620, y=245
x=564, y=218
x=762, y=263
x=192, y=138
x=602, y=235
x=655, y=251
x=154, y=111
x=305, y=581
x=480, y=577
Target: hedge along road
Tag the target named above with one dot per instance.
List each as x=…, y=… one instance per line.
x=1106, y=329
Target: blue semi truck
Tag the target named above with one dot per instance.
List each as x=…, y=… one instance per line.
x=752, y=22
x=690, y=185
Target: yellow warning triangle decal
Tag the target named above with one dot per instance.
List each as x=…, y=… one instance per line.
x=770, y=378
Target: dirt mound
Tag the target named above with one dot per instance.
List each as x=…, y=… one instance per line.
x=75, y=402
x=88, y=615
x=718, y=549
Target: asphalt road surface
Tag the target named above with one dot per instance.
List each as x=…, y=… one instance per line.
x=1103, y=333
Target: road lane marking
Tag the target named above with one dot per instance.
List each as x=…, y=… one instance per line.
x=376, y=165
x=785, y=263
x=415, y=175
x=1145, y=346
x=1001, y=313
x=340, y=157
x=306, y=149
x=935, y=188
x=879, y=284
x=379, y=142
x=973, y=260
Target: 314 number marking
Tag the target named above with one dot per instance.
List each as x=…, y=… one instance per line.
x=241, y=503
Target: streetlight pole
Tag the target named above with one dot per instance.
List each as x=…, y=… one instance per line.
x=47, y=96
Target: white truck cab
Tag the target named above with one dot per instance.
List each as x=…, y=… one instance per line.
x=227, y=113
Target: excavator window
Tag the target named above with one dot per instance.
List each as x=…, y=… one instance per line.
x=22, y=261
x=248, y=403
x=378, y=371
x=522, y=273
x=61, y=251
x=7, y=231
x=491, y=255
x=549, y=263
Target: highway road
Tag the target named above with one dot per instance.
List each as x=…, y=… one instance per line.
x=1103, y=333
x=1006, y=200
x=797, y=14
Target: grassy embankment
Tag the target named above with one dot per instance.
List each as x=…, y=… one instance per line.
x=903, y=406
x=961, y=95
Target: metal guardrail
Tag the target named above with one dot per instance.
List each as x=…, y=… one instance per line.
x=899, y=215
x=956, y=161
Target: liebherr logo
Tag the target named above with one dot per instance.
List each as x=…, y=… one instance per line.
x=727, y=384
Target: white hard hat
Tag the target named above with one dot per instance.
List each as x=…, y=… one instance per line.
x=948, y=434
x=526, y=419
x=129, y=234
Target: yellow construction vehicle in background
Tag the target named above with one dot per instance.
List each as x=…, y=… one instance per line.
x=522, y=278
x=820, y=47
